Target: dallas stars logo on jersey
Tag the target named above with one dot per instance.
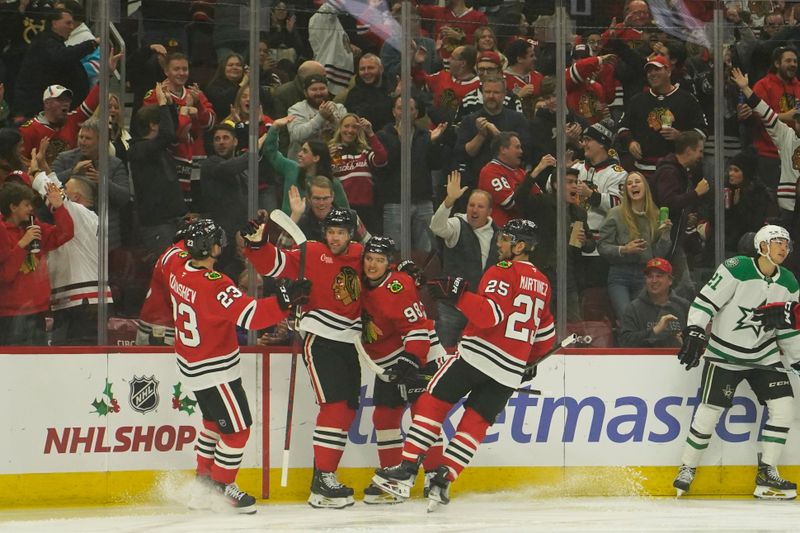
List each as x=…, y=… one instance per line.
x=746, y=320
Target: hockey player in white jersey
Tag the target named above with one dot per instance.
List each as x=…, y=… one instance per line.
x=739, y=286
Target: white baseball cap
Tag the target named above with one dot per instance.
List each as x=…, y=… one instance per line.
x=54, y=91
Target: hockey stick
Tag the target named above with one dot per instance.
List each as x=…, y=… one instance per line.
x=287, y=224
x=362, y=353
x=756, y=366
x=569, y=340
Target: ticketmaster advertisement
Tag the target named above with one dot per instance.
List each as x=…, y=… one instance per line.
x=129, y=411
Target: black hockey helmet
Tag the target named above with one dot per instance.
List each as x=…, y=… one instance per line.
x=202, y=235
x=522, y=230
x=184, y=227
x=340, y=218
x=381, y=245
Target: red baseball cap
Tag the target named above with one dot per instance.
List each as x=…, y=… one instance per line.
x=658, y=263
x=657, y=61
x=490, y=56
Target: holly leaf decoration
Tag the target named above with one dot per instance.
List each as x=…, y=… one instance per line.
x=185, y=404
x=107, y=391
x=101, y=407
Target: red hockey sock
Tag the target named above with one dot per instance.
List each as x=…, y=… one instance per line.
x=426, y=425
x=464, y=444
x=433, y=459
x=387, y=431
x=228, y=456
x=206, y=443
x=330, y=435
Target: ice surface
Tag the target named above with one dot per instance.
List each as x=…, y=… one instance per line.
x=479, y=513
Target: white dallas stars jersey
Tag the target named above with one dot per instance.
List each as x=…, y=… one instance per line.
x=735, y=289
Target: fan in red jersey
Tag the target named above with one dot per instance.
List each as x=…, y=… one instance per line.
x=328, y=325
x=509, y=327
x=399, y=337
x=207, y=306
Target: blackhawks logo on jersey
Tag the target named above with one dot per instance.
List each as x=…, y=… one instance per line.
x=504, y=264
x=395, y=286
x=796, y=159
x=346, y=286
x=660, y=117
x=183, y=255
x=369, y=330
x=213, y=275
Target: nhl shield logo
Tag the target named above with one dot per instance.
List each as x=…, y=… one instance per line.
x=144, y=394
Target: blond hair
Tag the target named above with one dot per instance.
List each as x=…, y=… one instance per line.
x=360, y=143
x=650, y=212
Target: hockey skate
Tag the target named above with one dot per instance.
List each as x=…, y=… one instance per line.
x=374, y=495
x=426, y=489
x=771, y=486
x=232, y=499
x=684, y=479
x=328, y=493
x=203, y=493
x=440, y=489
x=398, y=479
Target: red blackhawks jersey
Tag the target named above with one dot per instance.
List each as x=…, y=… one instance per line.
x=509, y=321
x=397, y=322
x=64, y=137
x=157, y=308
x=189, y=131
x=501, y=180
x=447, y=91
x=206, y=305
x=333, y=310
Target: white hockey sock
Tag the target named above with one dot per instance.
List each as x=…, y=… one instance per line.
x=700, y=433
x=773, y=436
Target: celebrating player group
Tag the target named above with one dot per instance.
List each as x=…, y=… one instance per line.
x=355, y=304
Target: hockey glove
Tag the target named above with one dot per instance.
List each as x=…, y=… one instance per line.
x=405, y=371
x=410, y=267
x=293, y=293
x=776, y=315
x=255, y=233
x=529, y=373
x=694, y=342
x=448, y=287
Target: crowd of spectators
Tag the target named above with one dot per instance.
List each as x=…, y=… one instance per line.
x=639, y=134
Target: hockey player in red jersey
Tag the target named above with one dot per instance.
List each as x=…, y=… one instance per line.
x=399, y=337
x=509, y=326
x=206, y=306
x=155, y=326
x=328, y=325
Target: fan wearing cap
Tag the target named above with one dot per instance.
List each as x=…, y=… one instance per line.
x=600, y=176
x=57, y=122
x=315, y=116
x=743, y=333
x=657, y=316
x=654, y=119
x=785, y=137
x=489, y=64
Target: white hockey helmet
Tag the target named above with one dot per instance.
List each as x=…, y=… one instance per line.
x=769, y=233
